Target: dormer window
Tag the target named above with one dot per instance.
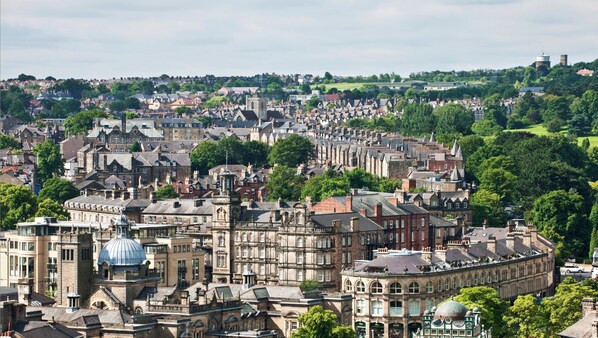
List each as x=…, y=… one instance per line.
x=449, y=205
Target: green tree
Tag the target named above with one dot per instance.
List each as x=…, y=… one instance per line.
x=166, y=192
x=256, y=153
x=453, y=119
x=49, y=161
x=310, y=285
x=388, y=184
x=561, y=216
x=593, y=220
x=359, y=178
x=183, y=110
x=81, y=122
x=17, y=204
x=418, y=119
x=491, y=306
x=135, y=147
x=565, y=307
x=469, y=144
x=526, y=318
x=9, y=142
x=320, y=323
x=205, y=156
x=487, y=205
x=132, y=103
x=284, y=183
x=500, y=181
x=58, y=189
x=51, y=208
x=65, y=108
x=117, y=106
x=312, y=103
x=486, y=127
x=319, y=188
x=292, y=151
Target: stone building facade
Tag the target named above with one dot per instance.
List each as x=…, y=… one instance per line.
x=284, y=244
x=392, y=292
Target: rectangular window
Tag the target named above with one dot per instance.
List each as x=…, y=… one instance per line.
x=376, y=308
x=396, y=308
x=320, y=275
x=360, y=305
x=402, y=237
x=414, y=307
x=299, y=258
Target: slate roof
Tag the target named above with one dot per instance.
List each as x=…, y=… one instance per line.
x=187, y=206
x=581, y=329
x=395, y=263
x=325, y=220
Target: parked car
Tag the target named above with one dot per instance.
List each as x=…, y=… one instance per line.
x=572, y=269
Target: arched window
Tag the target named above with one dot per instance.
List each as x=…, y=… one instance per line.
x=454, y=283
x=359, y=286
x=396, y=288
x=300, y=242
x=262, y=237
x=251, y=236
x=376, y=287
x=447, y=283
x=244, y=237
x=348, y=286
x=429, y=287
x=414, y=287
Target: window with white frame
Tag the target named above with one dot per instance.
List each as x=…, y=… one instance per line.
x=414, y=288
x=414, y=307
x=360, y=306
x=348, y=286
x=429, y=287
x=376, y=288
x=359, y=286
x=396, y=308
x=396, y=288
x=376, y=308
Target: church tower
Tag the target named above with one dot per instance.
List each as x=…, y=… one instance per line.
x=225, y=213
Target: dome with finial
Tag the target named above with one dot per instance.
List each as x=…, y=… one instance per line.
x=122, y=250
x=452, y=310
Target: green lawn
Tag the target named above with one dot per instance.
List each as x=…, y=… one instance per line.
x=538, y=129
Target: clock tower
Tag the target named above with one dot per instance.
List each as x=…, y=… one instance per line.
x=225, y=213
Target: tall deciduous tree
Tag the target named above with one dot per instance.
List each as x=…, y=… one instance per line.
x=51, y=208
x=487, y=205
x=561, y=214
x=292, y=151
x=453, y=119
x=488, y=301
x=320, y=323
x=8, y=142
x=526, y=318
x=17, y=204
x=205, y=156
x=58, y=189
x=565, y=307
x=49, y=161
x=284, y=183
x=81, y=122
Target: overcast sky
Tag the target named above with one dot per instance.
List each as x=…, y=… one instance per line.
x=116, y=38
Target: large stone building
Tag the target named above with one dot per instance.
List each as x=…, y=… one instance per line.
x=393, y=291
x=405, y=225
x=285, y=244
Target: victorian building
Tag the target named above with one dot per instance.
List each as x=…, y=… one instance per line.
x=393, y=291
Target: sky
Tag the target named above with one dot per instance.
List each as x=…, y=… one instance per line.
x=99, y=39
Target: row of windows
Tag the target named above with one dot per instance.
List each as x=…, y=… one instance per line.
x=23, y=246
x=181, y=248
x=396, y=307
x=414, y=287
